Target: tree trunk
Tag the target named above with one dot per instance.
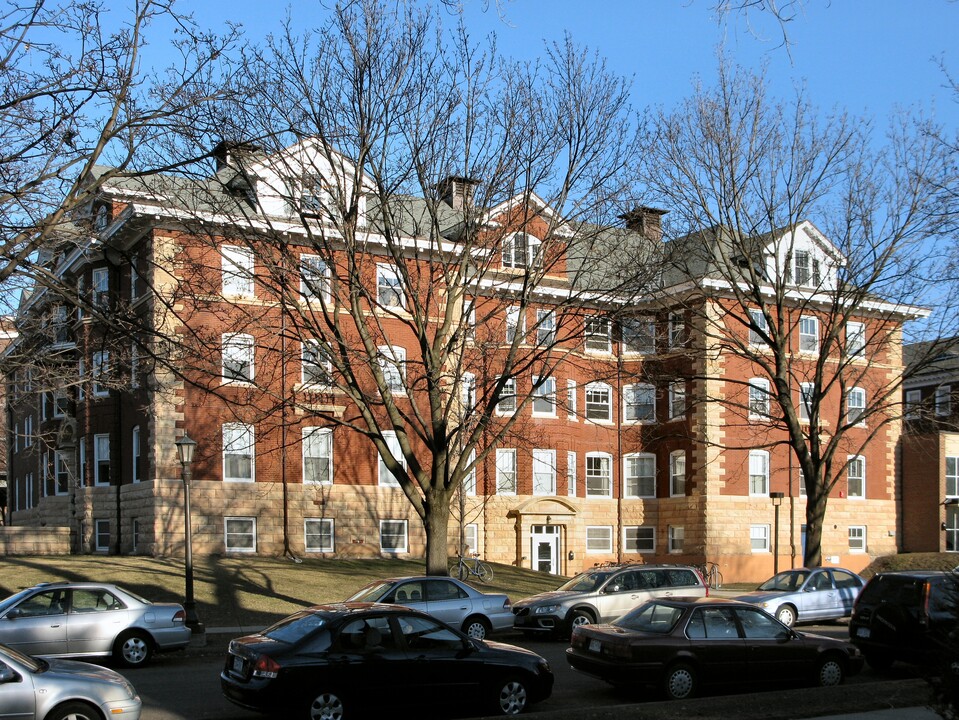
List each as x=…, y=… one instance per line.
x=436, y=524
x=815, y=516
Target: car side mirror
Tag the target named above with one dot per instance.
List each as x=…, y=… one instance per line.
x=13, y=614
x=8, y=675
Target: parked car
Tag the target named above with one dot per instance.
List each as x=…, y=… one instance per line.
x=910, y=615
x=603, y=593
x=342, y=661
x=807, y=594
x=475, y=613
x=39, y=689
x=91, y=620
x=683, y=645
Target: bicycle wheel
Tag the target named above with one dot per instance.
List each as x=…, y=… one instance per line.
x=717, y=580
x=458, y=570
x=484, y=572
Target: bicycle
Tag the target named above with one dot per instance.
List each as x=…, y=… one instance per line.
x=462, y=568
x=711, y=575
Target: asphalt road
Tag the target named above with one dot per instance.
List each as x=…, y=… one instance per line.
x=185, y=686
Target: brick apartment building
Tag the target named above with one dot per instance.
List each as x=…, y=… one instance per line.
x=649, y=440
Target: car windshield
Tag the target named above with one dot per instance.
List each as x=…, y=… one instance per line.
x=296, y=626
x=371, y=593
x=135, y=596
x=14, y=599
x=585, y=582
x=651, y=617
x=791, y=580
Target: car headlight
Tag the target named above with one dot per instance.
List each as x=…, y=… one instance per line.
x=765, y=604
x=545, y=609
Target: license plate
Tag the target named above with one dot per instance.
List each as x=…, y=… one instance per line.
x=238, y=665
x=862, y=632
x=594, y=646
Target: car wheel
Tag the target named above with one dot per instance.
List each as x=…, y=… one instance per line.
x=580, y=617
x=510, y=696
x=74, y=711
x=326, y=706
x=133, y=649
x=786, y=615
x=476, y=627
x=831, y=672
x=880, y=662
x=680, y=682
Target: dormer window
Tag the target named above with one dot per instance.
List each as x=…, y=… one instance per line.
x=520, y=250
x=316, y=198
x=806, y=268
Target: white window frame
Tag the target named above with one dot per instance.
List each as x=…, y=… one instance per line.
x=544, y=472
x=597, y=334
x=101, y=372
x=855, y=339
x=571, y=473
x=323, y=530
x=469, y=481
x=239, y=441
x=506, y=471
x=545, y=393
x=28, y=431
x=857, y=539
x=545, y=327
x=639, y=475
x=316, y=368
x=913, y=404
x=758, y=319
x=98, y=535
x=759, y=400
x=952, y=477
x=389, y=287
x=677, y=329
x=599, y=539
x=135, y=464
x=404, y=536
x=759, y=473
x=317, y=449
x=314, y=278
x=384, y=477
x=471, y=537
x=856, y=406
x=507, y=405
x=392, y=361
x=237, y=351
x=856, y=475
x=677, y=400
x=677, y=473
x=599, y=469
x=61, y=473
x=676, y=537
x=134, y=278
x=467, y=393
x=633, y=409
x=943, y=401
x=238, y=528
x=806, y=391
x=515, y=323
x=528, y=255
x=759, y=538
x=639, y=335
x=598, y=402
x=809, y=334
x=571, y=400
x=643, y=540
x=101, y=456
x=100, y=287
x=236, y=266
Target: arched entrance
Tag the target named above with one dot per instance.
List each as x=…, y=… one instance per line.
x=542, y=527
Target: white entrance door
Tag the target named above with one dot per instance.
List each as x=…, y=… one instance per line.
x=544, y=549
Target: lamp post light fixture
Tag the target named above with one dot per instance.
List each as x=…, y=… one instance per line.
x=777, y=498
x=185, y=447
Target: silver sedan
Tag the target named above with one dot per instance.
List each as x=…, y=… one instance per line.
x=91, y=620
x=807, y=594
x=34, y=688
x=454, y=602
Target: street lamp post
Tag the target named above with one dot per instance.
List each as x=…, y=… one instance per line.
x=777, y=498
x=185, y=447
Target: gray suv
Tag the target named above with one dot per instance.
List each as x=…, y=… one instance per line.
x=602, y=594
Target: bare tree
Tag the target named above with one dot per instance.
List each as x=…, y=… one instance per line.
x=429, y=218
x=800, y=244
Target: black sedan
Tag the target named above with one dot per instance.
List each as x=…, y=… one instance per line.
x=336, y=661
x=683, y=644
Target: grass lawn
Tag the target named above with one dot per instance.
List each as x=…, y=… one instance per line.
x=242, y=591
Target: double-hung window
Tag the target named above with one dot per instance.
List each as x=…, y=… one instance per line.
x=238, y=452
x=759, y=473
x=239, y=534
x=677, y=329
x=389, y=287
x=952, y=477
x=237, y=271
x=759, y=538
x=506, y=471
x=545, y=327
x=677, y=399
x=317, y=456
x=520, y=250
x=571, y=473
x=599, y=474
x=544, y=472
x=544, y=396
x=101, y=373
x=507, y=398
x=394, y=536
x=314, y=278
x=599, y=539
x=808, y=334
x=386, y=476
x=855, y=406
x=318, y=534
x=943, y=401
x=639, y=335
x=677, y=473
x=855, y=339
x=599, y=404
x=515, y=324
x=101, y=288
x=639, y=403
x=640, y=475
x=237, y=352
x=597, y=337
x=757, y=327
x=806, y=268
x=135, y=451
x=315, y=365
x=392, y=361
x=639, y=538
x=857, y=538
x=913, y=403
x=856, y=476
x=101, y=459
x=806, y=391
x=758, y=398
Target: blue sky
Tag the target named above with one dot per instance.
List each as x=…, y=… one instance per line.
x=867, y=56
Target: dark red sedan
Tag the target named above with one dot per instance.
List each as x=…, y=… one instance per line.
x=684, y=645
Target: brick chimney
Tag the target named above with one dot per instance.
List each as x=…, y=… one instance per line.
x=228, y=152
x=457, y=192
x=647, y=221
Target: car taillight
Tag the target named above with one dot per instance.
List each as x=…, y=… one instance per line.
x=179, y=616
x=924, y=611
x=702, y=579
x=507, y=606
x=265, y=667
x=577, y=639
